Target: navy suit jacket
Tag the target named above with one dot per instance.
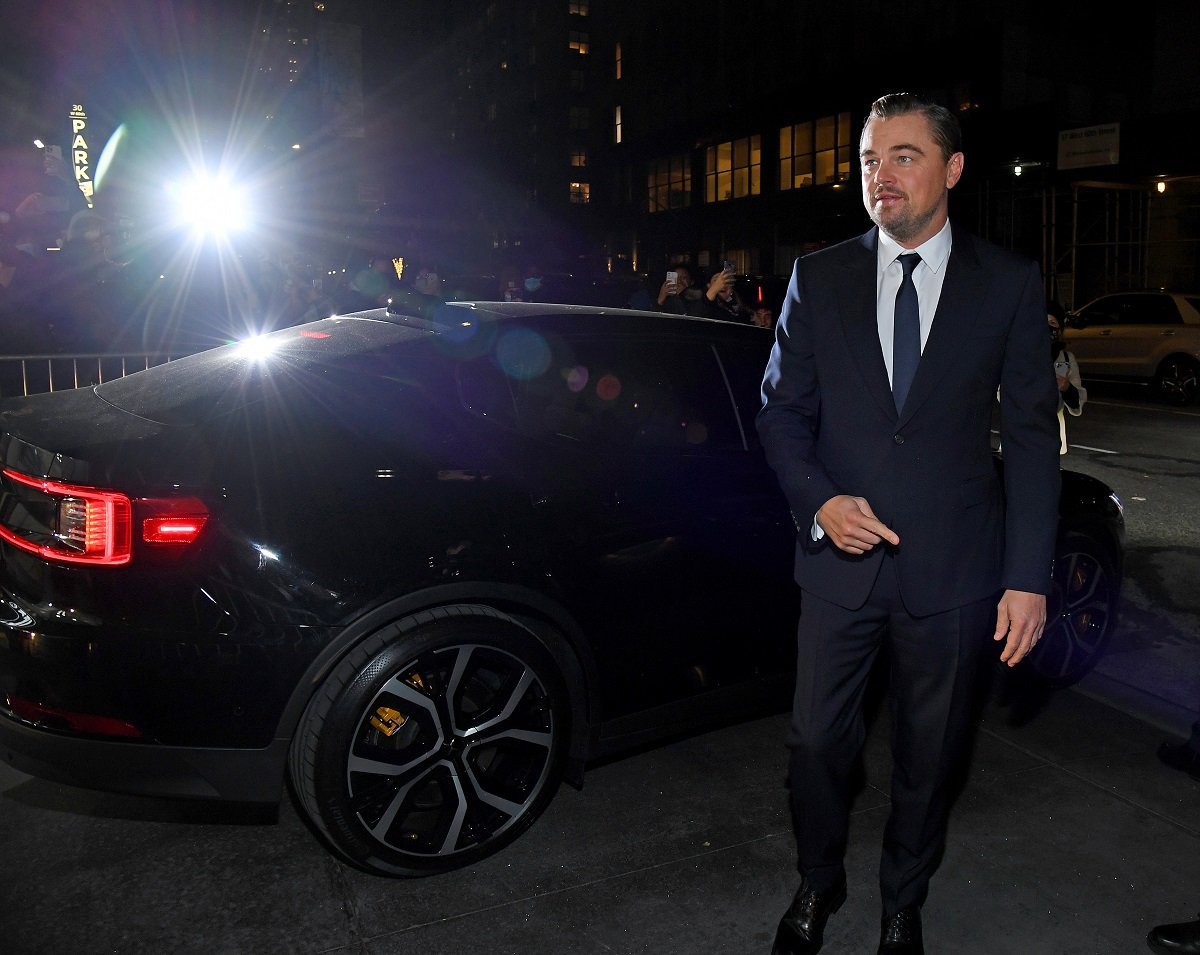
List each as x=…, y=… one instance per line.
x=829, y=426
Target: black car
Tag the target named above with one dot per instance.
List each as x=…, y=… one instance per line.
x=423, y=568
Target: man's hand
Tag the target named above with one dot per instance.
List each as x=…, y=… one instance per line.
x=1020, y=617
x=852, y=526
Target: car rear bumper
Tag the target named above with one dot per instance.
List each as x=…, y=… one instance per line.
x=232, y=775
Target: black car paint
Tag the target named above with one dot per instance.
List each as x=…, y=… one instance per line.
x=660, y=582
x=220, y=650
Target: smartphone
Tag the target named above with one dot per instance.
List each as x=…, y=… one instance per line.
x=729, y=267
x=672, y=280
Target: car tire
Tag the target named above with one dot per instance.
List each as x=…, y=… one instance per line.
x=435, y=743
x=1081, y=611
x=1178, y=380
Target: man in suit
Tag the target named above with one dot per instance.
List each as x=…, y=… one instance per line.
x=876, y=417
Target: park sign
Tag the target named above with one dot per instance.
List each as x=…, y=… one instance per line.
x=79, y=153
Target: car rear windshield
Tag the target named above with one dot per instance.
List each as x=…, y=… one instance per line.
x=206, y=385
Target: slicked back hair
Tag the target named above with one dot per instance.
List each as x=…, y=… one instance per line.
x=943, y=123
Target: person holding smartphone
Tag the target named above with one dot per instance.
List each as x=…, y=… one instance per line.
x=679, y=296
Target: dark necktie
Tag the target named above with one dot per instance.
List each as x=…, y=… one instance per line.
x=906, y=340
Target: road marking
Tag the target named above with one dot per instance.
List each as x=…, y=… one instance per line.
x=1084, y=447
x=1144, y=407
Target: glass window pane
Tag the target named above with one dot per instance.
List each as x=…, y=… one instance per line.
x=724, y=185
x=804, y=135
x=724, y=157
x=741, y=152
x=825, y=166
x=804, y=170
x=741, y=182
x=826, y=133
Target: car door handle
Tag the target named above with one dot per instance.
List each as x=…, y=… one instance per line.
x=1168, y=332
x=1106, y=331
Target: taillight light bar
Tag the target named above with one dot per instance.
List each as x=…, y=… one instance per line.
x=54, y=717
x=77, y=524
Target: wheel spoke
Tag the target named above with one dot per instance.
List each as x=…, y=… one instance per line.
x=380, y=829
x=1077, y=631
x=515, y=697
x=506, y=806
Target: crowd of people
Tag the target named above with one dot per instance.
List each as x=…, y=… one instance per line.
x=75, y=281
x=79, y=284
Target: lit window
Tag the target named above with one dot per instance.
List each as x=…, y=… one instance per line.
x=578, y=41
x=579, y=157
x=669, y=184
x=815, y=153
x=578, y=7
x=733, y=170
x=617, y=61
x=617, y=125
x=578, y=118
x=581, y=192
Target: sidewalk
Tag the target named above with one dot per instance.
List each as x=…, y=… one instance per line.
x=1069, y=838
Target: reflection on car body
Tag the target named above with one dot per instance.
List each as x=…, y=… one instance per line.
x=421, y=568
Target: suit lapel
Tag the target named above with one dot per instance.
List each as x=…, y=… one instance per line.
x=952, y=322
x=858, y=300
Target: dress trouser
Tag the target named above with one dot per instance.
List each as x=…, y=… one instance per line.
x=933, y=664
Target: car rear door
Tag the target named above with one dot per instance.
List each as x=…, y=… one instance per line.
x=1125, y=335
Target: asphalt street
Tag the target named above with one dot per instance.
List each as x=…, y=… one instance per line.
x=1069, y=836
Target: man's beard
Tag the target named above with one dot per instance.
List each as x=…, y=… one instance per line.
x=905, y=226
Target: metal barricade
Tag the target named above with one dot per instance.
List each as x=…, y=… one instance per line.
x=36, y=374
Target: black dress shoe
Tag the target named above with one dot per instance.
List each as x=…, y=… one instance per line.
x=802, y=928
x=1181, y=938
x=901, y=933
x=1182, y=756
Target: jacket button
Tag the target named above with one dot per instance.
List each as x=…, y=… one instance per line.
x=898, y=438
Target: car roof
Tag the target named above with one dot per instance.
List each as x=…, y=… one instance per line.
x=437, y=315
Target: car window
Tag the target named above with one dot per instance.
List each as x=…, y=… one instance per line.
x=1133, y=310
x=744, y=365
x=638, y=394
x=1154, y=310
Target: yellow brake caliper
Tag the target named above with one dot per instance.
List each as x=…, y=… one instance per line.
x=388, y=720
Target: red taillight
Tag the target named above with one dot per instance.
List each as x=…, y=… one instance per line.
x=83, y=525
x=171, y=520
x=54, y=717
x=89, y=525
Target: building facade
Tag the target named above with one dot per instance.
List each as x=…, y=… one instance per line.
x=625, y=136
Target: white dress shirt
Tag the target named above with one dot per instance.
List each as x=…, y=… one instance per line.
x=927, y=277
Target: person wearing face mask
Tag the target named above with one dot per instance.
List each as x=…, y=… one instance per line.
x=1071, y=393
